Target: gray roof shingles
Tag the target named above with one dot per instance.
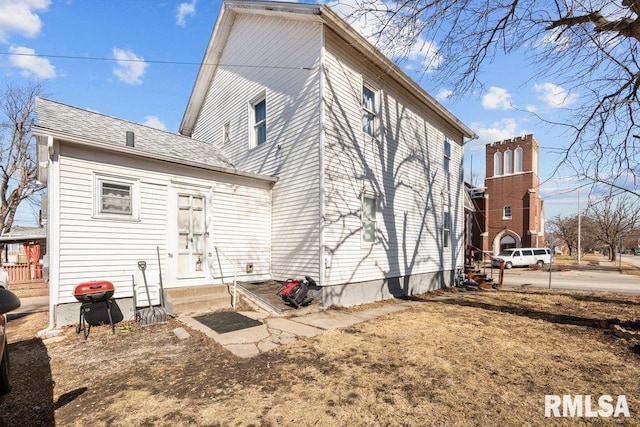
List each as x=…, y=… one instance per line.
x=86, y=124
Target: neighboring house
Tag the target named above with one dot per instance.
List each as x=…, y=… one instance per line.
x=340, y=166
x=22, y=255
x=509, y=210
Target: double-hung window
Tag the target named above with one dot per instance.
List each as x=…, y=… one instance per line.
x=446, y=228
x=226, y=133
x=259, y=121
x=506, y=212
x=369, y=212
x=369, y=111
x=447, y=155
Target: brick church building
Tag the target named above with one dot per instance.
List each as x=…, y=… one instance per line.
x=508, y=210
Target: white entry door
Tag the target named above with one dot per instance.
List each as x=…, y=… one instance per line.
x=191, y=235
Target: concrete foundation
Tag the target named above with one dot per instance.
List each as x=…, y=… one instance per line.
x=347, y=295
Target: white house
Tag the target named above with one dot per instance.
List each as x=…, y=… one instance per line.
x=118, y=191
x=305, y=151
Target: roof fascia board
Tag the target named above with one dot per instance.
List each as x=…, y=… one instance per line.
x=132, y=151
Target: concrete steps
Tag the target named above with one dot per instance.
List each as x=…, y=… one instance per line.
x=198, y=299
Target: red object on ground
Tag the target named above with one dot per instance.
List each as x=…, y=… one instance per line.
x=94, y=291
x=289, y=287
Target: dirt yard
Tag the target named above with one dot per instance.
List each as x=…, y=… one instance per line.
x=470, y=359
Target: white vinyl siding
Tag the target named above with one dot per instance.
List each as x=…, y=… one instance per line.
x=290, y=73
x=90, y=247
x=403, y=166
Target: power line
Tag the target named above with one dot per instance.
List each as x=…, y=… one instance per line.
x=152, y=61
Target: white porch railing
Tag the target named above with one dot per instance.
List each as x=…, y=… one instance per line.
x=235, y=284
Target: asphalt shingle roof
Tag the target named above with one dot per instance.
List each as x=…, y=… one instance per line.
x=76, y=122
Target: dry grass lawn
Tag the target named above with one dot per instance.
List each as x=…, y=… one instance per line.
x=454, y=359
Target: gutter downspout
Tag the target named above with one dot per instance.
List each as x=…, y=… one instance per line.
x=321, y=216
x=53, y=209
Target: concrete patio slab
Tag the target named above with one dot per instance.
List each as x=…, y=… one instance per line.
x=292, y=327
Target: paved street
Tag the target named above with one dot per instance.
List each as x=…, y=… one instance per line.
x=583, y=280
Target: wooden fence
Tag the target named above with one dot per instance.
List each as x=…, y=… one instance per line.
x=24, y=273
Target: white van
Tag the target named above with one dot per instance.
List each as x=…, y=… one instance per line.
x=523, y=257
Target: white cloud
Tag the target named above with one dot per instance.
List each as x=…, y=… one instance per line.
x=26, y=60
x=553, y=95
x=444, y=94
x=555, y=38
x=184, y=10
x=506, y=128
x=18, y=16
x=422, y=55
x=129, y=67
x=531, y=108
x=497, y=98
x=425, y=54
x=154, y=122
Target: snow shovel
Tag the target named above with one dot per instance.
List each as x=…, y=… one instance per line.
x=151, y=315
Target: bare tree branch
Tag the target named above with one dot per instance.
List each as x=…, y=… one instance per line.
x=590, y=48
x=18, y=165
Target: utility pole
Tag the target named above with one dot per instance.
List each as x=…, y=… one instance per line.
x=579, y=228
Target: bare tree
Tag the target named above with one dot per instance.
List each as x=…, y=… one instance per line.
x=566, y=229
x=613, y=220
x=589, y=48
x=18, y=164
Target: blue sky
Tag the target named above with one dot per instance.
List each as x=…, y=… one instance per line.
x=83, y=49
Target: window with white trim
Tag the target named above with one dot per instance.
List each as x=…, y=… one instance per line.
x=519, y=153
x=506, y=212
x=447, y=155
x=259, y=121
x=446, y=228
x=497, y=164
x=369, y=110
x=116, y=198
x=226, y=133
x=508, y=162
x=369, y=213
